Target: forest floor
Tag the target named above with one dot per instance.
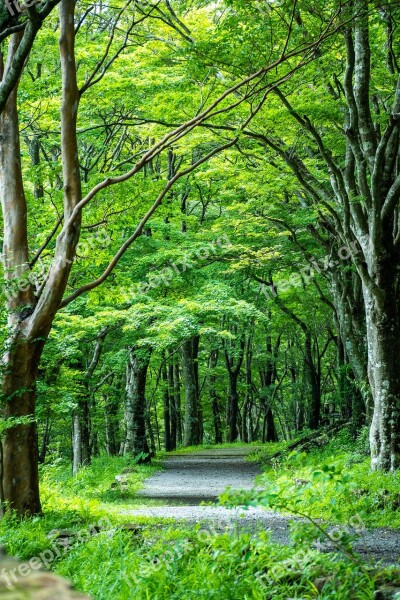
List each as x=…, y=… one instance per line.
x=190, y=480
x=126, y=531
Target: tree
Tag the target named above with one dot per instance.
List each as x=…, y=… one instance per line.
x=135, y=403
x=32, y=306
x=358, y=200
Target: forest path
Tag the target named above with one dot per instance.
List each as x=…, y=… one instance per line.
x=201, y=476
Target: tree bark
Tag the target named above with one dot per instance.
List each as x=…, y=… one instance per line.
x=135, y=403
x=190, y=384
x=21, y=360
x=177, y=396
x=268, y=378
x=174, y=412
x=167, y=406
x=112, y=425
x=234, y=350
x=212, y=364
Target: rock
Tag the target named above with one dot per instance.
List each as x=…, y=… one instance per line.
x=121, y=479
x=396, y=502
x=130, y=470
x=21, y=581
x=321, y=582
x=387, y=593
x=61, y=533
x=300, y=482
x=120, y=485
x=133, y=527
x=62, y=537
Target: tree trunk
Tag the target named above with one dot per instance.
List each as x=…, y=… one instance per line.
x=20, y=443
x=111, y=422
x=174, y=412
x=268, y=378
x=196, y=345
x=248, y=399
x=135, y=403
x=191, y=437
x=269, y=429
x=85, y=402
x=315, y=388
x=167, y=406
x=212, y=364
x=233, y=407
x=76, y=443
x=45, y=438
x=33, y=146
x=234, y=350
x=177, y=396
x=149, y=429
x=21, y=360
x=383, y=332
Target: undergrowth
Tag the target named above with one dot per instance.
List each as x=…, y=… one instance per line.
x=313, y=480
x=152, y=560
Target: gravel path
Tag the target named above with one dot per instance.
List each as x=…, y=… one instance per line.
x=189, y=479
x=201, y=476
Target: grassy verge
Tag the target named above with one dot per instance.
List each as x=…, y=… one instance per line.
x=335, y=482
x=225, y=446
x=159, y=561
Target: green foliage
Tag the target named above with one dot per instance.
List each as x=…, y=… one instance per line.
x=334, y=484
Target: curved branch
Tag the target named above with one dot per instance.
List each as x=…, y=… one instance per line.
x=139, y=229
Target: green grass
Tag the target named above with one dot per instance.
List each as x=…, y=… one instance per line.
x=226, y=446
x=160, y=561
x=94, y=483
x=340, y=482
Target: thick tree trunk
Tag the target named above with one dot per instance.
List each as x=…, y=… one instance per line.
x=21, y=360
x=191, y=437
x=20, y=443
x=383, y=332
x=269, y=429
x=232, y=351
x=135, y=403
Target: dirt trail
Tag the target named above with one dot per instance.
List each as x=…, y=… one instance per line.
x=202, y=476
x=190, y=479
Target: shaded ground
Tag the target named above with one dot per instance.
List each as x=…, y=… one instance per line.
x=201, y=476
x=190, y=479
